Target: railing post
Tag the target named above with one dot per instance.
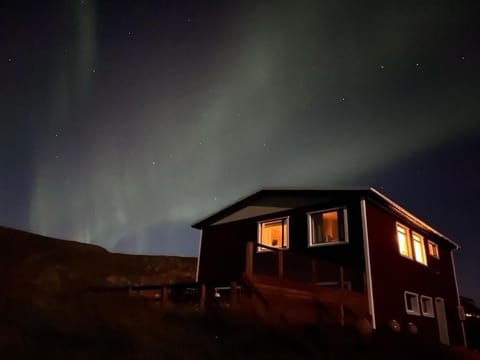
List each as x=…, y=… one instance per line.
x=280, y=263
x=314, y=271
x=342, y=282
x=164, y=295
x=249, y=259
x=233, y=294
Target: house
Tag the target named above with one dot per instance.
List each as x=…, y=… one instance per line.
x=356, y=240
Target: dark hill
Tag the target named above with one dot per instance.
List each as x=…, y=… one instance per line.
x=32, y=263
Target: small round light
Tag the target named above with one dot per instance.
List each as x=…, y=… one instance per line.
x=394, y=325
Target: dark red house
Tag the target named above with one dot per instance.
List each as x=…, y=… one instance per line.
x=403, y=266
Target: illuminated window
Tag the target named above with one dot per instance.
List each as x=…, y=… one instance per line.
x=426, y=303
x=327, y=227
x=404, y=243
x=433, y=250
x=412, y=307
x=273, y=233
x=419, y=248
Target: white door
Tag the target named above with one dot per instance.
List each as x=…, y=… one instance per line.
x=442, y=321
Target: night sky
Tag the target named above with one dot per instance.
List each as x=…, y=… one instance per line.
x=122, y=123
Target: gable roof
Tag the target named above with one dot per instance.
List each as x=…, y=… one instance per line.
x=273, y=200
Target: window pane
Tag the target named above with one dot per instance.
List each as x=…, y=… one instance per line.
x=274, y=234
x=433, y=250
x=411, y=303
x=325, y=227
x=419, y=249
x=427, y=306
x=403, y=241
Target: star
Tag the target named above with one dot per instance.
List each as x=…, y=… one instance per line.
x=10, y=59
x=154, y=163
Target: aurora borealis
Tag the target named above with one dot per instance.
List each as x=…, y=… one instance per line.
x=122, y=124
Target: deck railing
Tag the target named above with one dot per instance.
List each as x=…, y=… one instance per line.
x=287, y=265
x=289, y=268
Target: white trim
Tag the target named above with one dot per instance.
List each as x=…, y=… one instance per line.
x=259, y=233
x=458, y=298
x=422, y=243
x=415, y=305
x=429, y=310
x=368, y=270
x=345, y=227
x=408, y=238
x=198, y=258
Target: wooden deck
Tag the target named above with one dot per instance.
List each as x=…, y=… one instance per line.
x=302, y=300
x=298, y=303
x=275, y=298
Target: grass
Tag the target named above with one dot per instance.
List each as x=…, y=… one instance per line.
x=115, y=326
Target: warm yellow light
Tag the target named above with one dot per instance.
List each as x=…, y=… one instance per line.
x=403, y=241
x=419, y=249
x=330, y=224
x=433, y=250
x=274, y=234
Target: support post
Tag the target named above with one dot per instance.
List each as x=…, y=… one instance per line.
x=280, y=264
x=249, y=259
x=342, y=287
x=203, y=292
x=314, y=271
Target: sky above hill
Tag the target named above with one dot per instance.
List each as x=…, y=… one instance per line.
x=122, y=123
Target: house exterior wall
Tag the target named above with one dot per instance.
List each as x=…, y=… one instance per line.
x=222, y=253
x=393, y=274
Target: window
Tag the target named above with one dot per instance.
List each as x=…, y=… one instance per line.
x=403, y=239
x=411, y=303
x=273, y=233
x=419, y=248
x=327, y=227
x=411, y=244
x=426, y=303
x=433, y=250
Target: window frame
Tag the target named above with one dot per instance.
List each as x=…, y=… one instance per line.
x=421, y=240
x=408, y=241
x=427, y=312
x=268, y=221
x=435, y=246
x=338, y=209
x=416, y=304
